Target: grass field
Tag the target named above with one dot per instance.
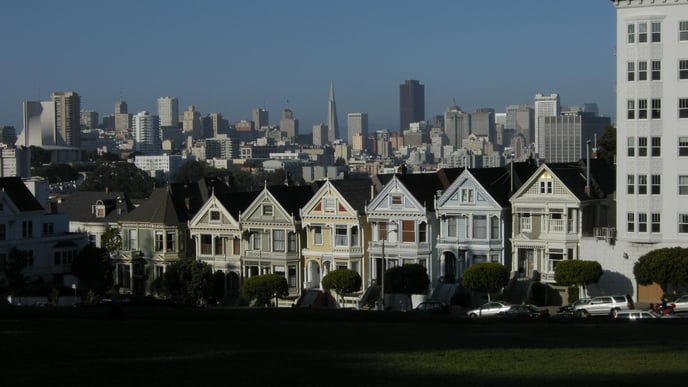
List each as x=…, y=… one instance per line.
x=199, y=347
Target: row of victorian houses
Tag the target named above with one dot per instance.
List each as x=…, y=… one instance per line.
x=524, y=216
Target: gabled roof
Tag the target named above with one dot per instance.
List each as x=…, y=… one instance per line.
x=355, y=191
x=20, y=195
x=236, y=202
x=423, y=186
x=573, y=176
x=292, y=198
x=175, y=204
x=497, y=181
x=79, y=206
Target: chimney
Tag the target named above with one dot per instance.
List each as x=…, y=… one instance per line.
x=587, y=168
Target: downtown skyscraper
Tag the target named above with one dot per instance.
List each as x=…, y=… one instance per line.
x=67, y=116
x=411, y=103
x=168, y=111
x=332, y=123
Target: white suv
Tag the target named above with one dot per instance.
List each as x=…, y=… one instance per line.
x=604, y=306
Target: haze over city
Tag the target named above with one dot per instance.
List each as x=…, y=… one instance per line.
x=231, y=56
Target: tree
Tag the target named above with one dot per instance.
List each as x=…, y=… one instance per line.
x=577, y=273
x=342, y=281
x=667, y=267
x=186, y=281
x=11, y=277
x=407, y=279
x=111, y=240
x=94, y=269
x=56, y=173
x=191, y=170
x=263, y=288
x=485, y=277
x=608, y=143
x=119, y=176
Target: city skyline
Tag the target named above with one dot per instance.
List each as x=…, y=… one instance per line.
x=276, y=61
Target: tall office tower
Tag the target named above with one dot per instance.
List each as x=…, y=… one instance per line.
x=260, y=118
x=411, y=103
x=521, y=118
x=357, y=123
x=221, y=147
x=457, y=125
x=319, y=134
x=191, y=124
x=332, y=123
x=564, y=137
x=146, y=132
x=67, y=113
x=383, y=146
x=213, y=125
x=289, y=125
x=122, y=117
x=168, y=111
x=500, y=119
x=121, y=107
x=483, y=123
x=39, y=125
x=545, y=106
x=89, y=119
x=652, y=137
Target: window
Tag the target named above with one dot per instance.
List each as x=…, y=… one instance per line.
x=267, y=210
x=656, y=70
x=631, y=109
x=683, y=146
x=423, y=232
x=219, y=246
x=656, y=150
x=479, y=227
x=656, y=32
x=683, y=185
x=494, y=227
x=124, y=276
x=158, y=241
x=48, y=228
x=545, y=186
x=317, y=235
x=642, y=70
x=171, y=238
x=354, y=236
x=330, y=204
x=631, y=33
x=214, y=216
x=451, y=226
x=642, y=109
x=257, y=243
x=630, y=141
x=291, y=274
x=27, y=229
x=642, y=222
x=278, y=240
x=382, y=231
x=630, y=222
x=642, y=184
x=396, y=200
x=408, y=231
x=656, y=109
x=683, y=31
x=291, y=242
x=655, y=181
x=630, y=184
x=237, y=246
x=683, y=69
x=642, y=32
x=642, y=146
x=340, y=236
x=133, y=243
x=206, y=244
x=631, y=71
x=467, y=195
x=683, y=108
x=655, y=222
x=683, y=223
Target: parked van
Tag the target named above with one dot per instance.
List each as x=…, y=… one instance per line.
x=604, y=306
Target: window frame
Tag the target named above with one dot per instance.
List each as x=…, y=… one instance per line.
x=655, y=184
x=642, y=222
x=630, y=184
x=408, y=231
x=630, y=222
x=683, y=108
x=642, y=70
x=630, y=71
x=683, y=69
x=683, y=184
x=630, y=146
x=642, y=184
x=683, y=223
x=630, y=33
x=279, y=241
x=655, y=222
x=655, y=146
x=642, y=109
x=317, y=236
x=683, y=30
x=683, y=146
x=630, y=109
x=642, y=146
x=656, y=106
x=341, y=236
x=656, y=33
x=656, y=70
x=642, y=33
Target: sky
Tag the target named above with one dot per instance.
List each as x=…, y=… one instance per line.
x=230, y=56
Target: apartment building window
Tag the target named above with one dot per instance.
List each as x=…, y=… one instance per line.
x=683, y=31
x=683, y=185
x=642, y=70
x=480, y=227
x=631, y=71
x=642, y=222
x=642, y=184
x=683, y=108
x=655, y=181
x=642, y=32
x=291, y=242
x=683, y=146
x=630, y=184
x=630, y=222
x=630, y=146
x=655, y=219
x=408, y=231
x=683, y=223
x=656, y=149
x=656, y=70
x=158, y=241
x=631, y=33
x=278, y=240
x=451, y=226
x=340, y=236
x=642, y=109
x=631, y=109
x=656, y=32
x=317, y=235
x=683, y=69
x=642, y=146
x=656, y=109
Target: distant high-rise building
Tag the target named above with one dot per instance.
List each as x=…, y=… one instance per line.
x=545, y=106
x=146, y=128
x=521, y=118
x=260, y=118
x=122, y=117
x=221, y=147
x=214, y=124
x=483, y=123
x=457, y=125
x=89, y=119
x=191, y=124
x=319, y=134
x=67, y=113
x=168, y=111
x=121, y=107
x=332, y=123
x=8, y=135
x=289, y=125
x=411, y=103
x=357, y=123
x=563, y=138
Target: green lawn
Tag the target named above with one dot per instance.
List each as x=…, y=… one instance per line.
x=73, y=347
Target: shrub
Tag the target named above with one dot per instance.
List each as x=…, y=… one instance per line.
x=407, y=279
x=486, y=277
x=263, y=288
x=342, y=281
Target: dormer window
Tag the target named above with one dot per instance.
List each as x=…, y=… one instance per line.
x=467, y=195
x=546, y=183
x=267, y=210
x=214, y=216
x=330, y=204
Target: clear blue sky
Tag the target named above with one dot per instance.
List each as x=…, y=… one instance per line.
x=229, y=56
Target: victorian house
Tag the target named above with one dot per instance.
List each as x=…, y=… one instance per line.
x=475, y=218
x=554, y=210
x=334, y=222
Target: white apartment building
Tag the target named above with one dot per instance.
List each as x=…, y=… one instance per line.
x=146, y=133
x=545, y=106
x=168, y=111
x=161, y=166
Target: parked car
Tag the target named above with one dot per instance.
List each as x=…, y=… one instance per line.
x=489, y=309
x=524, y=312
x=635, y=314
x=569, y=308
x=437, y=307
x=604, y=306
x=681, y=304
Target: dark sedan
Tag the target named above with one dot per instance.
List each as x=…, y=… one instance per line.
x=524, y=312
